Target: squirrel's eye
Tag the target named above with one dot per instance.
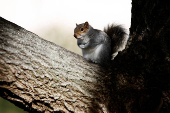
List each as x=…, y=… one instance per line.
x=82, y=29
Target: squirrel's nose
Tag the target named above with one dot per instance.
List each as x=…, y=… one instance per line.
x=75, y=36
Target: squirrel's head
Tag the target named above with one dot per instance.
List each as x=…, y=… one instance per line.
x=81, y=30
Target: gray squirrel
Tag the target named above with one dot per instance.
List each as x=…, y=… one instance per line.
x=100, y=46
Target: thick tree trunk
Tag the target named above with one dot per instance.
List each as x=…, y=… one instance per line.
x=40, y=76
x=144, y=67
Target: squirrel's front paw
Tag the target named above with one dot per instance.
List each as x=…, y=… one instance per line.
x=81, y=46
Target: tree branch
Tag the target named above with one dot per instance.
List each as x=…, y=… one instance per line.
x=38, y=75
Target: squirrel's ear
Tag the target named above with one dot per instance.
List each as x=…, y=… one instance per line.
x=86, y=24
x=76, y=24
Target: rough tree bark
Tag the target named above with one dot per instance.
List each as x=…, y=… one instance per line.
x=40, y=76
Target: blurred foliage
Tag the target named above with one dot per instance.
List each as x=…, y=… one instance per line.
x=8, y=107
x=61, y=36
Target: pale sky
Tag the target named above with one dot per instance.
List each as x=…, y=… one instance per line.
x=39, y=15
x=34, y=14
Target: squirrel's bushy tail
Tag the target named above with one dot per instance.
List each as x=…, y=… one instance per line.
x=118, y=37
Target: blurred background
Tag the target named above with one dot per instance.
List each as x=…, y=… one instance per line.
x=55, y=21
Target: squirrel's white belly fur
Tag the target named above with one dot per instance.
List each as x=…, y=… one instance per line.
x=92, y=53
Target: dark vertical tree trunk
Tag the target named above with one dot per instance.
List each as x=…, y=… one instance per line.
x=144, y=65
x=40, y=76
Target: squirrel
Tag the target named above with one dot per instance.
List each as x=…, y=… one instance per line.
x=100, y=46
